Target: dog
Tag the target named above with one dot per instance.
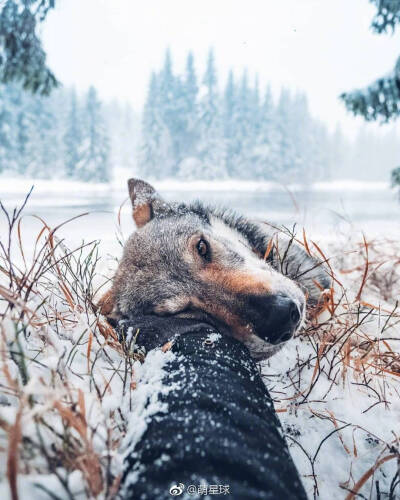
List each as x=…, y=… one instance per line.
x=210, y=264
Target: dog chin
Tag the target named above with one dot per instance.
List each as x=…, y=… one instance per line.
x=260, y=349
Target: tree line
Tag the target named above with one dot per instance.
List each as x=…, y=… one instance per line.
x=191, y=128
x=62, y=135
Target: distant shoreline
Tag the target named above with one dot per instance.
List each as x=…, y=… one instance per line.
x=17, y=185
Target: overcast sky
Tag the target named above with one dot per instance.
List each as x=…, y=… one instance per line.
x=321, y=46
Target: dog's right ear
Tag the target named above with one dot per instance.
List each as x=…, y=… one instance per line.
x=146, y=202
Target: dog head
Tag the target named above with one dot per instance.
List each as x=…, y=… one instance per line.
x=197, y=262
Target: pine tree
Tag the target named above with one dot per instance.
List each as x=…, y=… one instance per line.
x=287, y=160
x=23, y=128
x=188, y=135
x=255, y=108
x=211, y=96
x=236, y=135
x=50, y=123
x=22, y=56
x=229, y=122
x=30, y=136
x=155, y=158
x=60, y=135
x=170, y=106
x=94, y=166
x=305, y=142
x=191, y=89
x=211, y=149
x=244, y=126
x=7, y=132
x=39, y=137
x=190, y=112
x=148, y=163
x=396, y=179
x=267, y=148
x=177, y=123
x=73, y=138
x=381, y=99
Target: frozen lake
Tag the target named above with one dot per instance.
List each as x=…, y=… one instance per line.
x=326, y=210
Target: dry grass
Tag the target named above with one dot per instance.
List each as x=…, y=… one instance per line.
x=354, y=345
x=66, y=384
x=61, y=365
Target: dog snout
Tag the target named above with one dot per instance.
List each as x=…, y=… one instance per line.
x=276, y=317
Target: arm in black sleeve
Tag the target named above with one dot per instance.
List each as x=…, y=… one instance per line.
x=220, y=429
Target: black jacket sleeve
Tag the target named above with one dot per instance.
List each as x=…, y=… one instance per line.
x=220, y=434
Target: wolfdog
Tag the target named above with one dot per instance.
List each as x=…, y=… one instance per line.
x=194, y=261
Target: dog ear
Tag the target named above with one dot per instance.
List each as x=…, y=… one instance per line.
x=146, y=202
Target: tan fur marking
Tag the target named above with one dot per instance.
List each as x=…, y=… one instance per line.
x=106, y=303
x=167, y=347
x=240, y=330
x=142, y=214
x=234, y=281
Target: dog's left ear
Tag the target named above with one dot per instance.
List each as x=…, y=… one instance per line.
x=146, y=202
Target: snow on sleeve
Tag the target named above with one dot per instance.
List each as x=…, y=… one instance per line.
x=145, y=405
x=213, y=337
x=146, y=402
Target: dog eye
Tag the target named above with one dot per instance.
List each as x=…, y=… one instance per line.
x=202, y=248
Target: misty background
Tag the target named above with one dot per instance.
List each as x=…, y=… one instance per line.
x=233, y=104
x=254, y=98
x=192, y=126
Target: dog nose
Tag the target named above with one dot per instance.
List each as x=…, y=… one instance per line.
x=294, y=313
x=283, y=319
x=277, y=317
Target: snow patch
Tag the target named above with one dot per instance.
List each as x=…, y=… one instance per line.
x=146, y=402
x=214, y=337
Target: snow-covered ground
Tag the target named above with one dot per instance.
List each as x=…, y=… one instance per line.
x=68, y=390
x=19, y=185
